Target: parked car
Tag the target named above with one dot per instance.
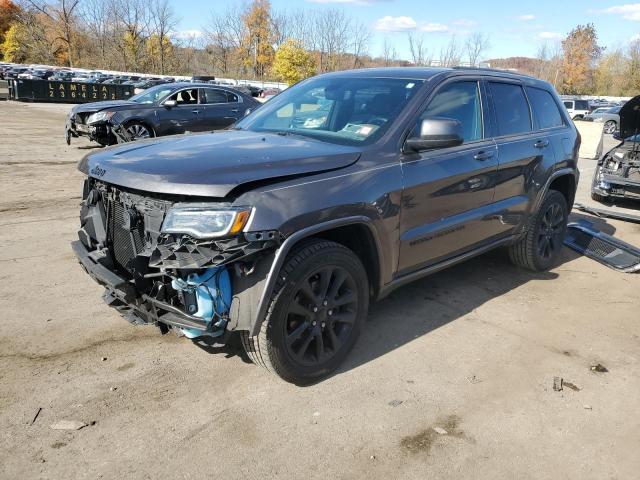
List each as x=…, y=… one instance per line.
x=165, y=109
x=13, y=72
x=81, y=78
x=283, y=232
x=577, y=108
x=148, y=83
x=37, y=74
x=609, y=116
x=62, y=76
x=617, y=174
x=268, y=93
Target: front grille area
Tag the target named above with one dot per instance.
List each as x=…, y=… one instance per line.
x=126, y=233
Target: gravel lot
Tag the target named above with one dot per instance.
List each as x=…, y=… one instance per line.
x=472, y=350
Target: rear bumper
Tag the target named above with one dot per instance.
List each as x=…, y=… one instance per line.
x=137, y=307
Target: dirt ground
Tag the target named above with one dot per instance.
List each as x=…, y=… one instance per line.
x=473, y=350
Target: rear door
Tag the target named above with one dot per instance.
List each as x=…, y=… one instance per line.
x=221, y=108
x=525, y=150
x=448, y=192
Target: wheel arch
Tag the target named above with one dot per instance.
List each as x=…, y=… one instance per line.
x=564, y=180
x=350, y=232
x=142, y=121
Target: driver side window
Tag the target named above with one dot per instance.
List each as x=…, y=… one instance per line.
x=459, y=101
x=186, y=97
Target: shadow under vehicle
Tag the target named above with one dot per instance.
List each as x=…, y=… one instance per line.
x=336, y=192
x=166, y=109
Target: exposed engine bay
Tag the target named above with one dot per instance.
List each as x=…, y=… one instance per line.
x=173, y=280
x=618, y=173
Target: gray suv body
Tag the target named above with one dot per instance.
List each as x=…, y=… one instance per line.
x=340, y=189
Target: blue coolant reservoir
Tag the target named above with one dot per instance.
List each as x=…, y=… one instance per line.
x=212, y=289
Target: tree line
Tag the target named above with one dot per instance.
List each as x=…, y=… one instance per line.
x=254, y=40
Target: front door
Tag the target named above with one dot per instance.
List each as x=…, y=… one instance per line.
x=448, y=192
x=185, y=116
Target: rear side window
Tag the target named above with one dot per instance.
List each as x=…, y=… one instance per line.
x=213, y=95
x=459, y=101
x=582, y=105
x=544, y=108
x=512, y=109
x=568, y=104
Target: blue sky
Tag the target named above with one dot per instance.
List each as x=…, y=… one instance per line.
x=514, y=28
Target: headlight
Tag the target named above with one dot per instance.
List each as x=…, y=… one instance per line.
x=99, y=117
x=205, y=222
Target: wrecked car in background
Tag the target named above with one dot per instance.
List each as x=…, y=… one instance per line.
x=166, y=109
x=283, y=228
x=617, y=174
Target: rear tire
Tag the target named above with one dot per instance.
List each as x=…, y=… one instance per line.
x=315, y=314
x=609, y=127
x=541, y=245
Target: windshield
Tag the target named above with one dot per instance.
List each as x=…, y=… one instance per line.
x=349, y=111
x=152, y=95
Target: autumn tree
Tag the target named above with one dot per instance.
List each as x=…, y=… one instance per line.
x=8, y=15
x=580, y=52
x=13, y=48
x=259, y=38
x=293, y=63
x=62, y=16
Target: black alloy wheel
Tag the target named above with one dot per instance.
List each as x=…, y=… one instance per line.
x=321, y=315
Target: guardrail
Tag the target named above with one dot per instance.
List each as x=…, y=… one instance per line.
x=66, y=92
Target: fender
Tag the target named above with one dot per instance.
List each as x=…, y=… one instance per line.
x=558, y=173
x=285, y=248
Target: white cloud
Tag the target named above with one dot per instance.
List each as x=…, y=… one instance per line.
x=434, y=28
x=629, y=11
x=635, y=38
x=526, y=18
x=351, y=2
x=464, y=22
x=187, y=34
x=395, y=24
x=550, y=35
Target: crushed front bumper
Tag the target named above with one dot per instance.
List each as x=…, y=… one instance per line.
x=100, y=133
x=137, y=307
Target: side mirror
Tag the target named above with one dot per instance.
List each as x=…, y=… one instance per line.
x=170, y=103
x=436, y=132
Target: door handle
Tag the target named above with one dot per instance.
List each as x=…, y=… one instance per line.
x=541, y=143
x=195, y=111
x=483, y=155
x=235, y=110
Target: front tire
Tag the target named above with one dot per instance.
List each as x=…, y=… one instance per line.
x=542, y=243
x=317, y=309
x=138, y=131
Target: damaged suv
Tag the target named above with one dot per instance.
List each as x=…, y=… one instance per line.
x=340, y=189
x=618, y=172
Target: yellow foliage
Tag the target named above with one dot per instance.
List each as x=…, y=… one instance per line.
x=13, y=48
x=293, y=63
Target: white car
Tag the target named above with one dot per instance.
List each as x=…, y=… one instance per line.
x=577, y=108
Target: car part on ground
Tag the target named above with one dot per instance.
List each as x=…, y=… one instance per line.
x=336, y=191
x=606, y=249
x=607, y=213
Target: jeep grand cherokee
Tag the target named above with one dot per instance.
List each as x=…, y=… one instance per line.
x=337, y=191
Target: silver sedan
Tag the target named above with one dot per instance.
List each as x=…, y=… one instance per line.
x=609, y=117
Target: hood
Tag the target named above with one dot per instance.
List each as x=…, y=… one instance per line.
x=630, y=118
x=107, y=104
x=213, y=164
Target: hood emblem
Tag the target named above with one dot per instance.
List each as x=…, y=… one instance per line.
x=97, y=171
